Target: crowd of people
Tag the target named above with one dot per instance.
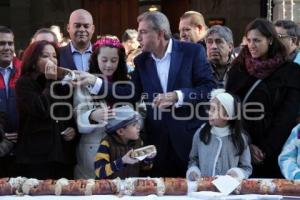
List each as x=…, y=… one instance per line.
x=189, y=97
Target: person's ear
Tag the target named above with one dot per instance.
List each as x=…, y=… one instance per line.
x=200, y=27
x=270, y=41
x=161, y=33
x=93, y=29
x=230, y=46
x=120, y=131
x=68, y=28
x=294, y=40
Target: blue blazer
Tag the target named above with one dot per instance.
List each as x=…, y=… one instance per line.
x=189, y=72
x=66, y=57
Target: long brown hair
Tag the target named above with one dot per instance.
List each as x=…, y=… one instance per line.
x=121, y=73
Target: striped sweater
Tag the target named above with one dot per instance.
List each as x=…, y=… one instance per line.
x=104, y=166
x=108, y=160
x=289, y=159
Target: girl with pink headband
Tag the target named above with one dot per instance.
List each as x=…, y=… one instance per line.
x=92, y=112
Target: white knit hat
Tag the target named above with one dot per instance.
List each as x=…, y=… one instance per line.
x=226, y=100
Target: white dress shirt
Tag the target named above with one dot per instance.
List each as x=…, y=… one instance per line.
x=162, y=67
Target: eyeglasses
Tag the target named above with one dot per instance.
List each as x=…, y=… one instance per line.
x=284, y=36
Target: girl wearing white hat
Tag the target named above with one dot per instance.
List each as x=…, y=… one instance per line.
x=219, y=147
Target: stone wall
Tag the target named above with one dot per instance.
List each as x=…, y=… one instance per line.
x=289, y=13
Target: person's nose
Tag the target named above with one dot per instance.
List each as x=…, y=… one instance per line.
x=81, y=28
x=139, y=37
x=182, y=34
x=138, y=126
x=53, y=59
x=250, y=44
x=214, y=45
x=7, y=46
x=108, y=64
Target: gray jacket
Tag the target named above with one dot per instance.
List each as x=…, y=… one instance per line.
x=91, y=134
x=218, y=157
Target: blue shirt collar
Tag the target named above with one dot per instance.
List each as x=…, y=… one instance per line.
x=88, y=50
x=10, y=66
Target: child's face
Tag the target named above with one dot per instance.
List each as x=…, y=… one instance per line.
x=132, y=131
x=108, y=60
x=217, y=114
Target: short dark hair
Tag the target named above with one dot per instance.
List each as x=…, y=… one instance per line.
x=291, y=28
x=4, y=29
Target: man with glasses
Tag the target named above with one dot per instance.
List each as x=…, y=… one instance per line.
x=289, y=32
x=219, y=44
x=77, y=53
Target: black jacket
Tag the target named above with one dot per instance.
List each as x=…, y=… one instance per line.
x=40, y=139
x=279, y=94
x=66, y=57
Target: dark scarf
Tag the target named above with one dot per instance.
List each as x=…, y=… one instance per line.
x=262, y=68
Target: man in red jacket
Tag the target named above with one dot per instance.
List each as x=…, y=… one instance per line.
x=10, y=72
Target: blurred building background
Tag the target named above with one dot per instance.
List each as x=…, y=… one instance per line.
x=24, y=17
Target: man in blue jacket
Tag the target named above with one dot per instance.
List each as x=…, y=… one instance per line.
x=175, y=77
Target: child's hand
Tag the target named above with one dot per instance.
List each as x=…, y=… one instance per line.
x=193, y=176
x=127, y=159
x=232, y=173
x=257, y=154
x=236, y=173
